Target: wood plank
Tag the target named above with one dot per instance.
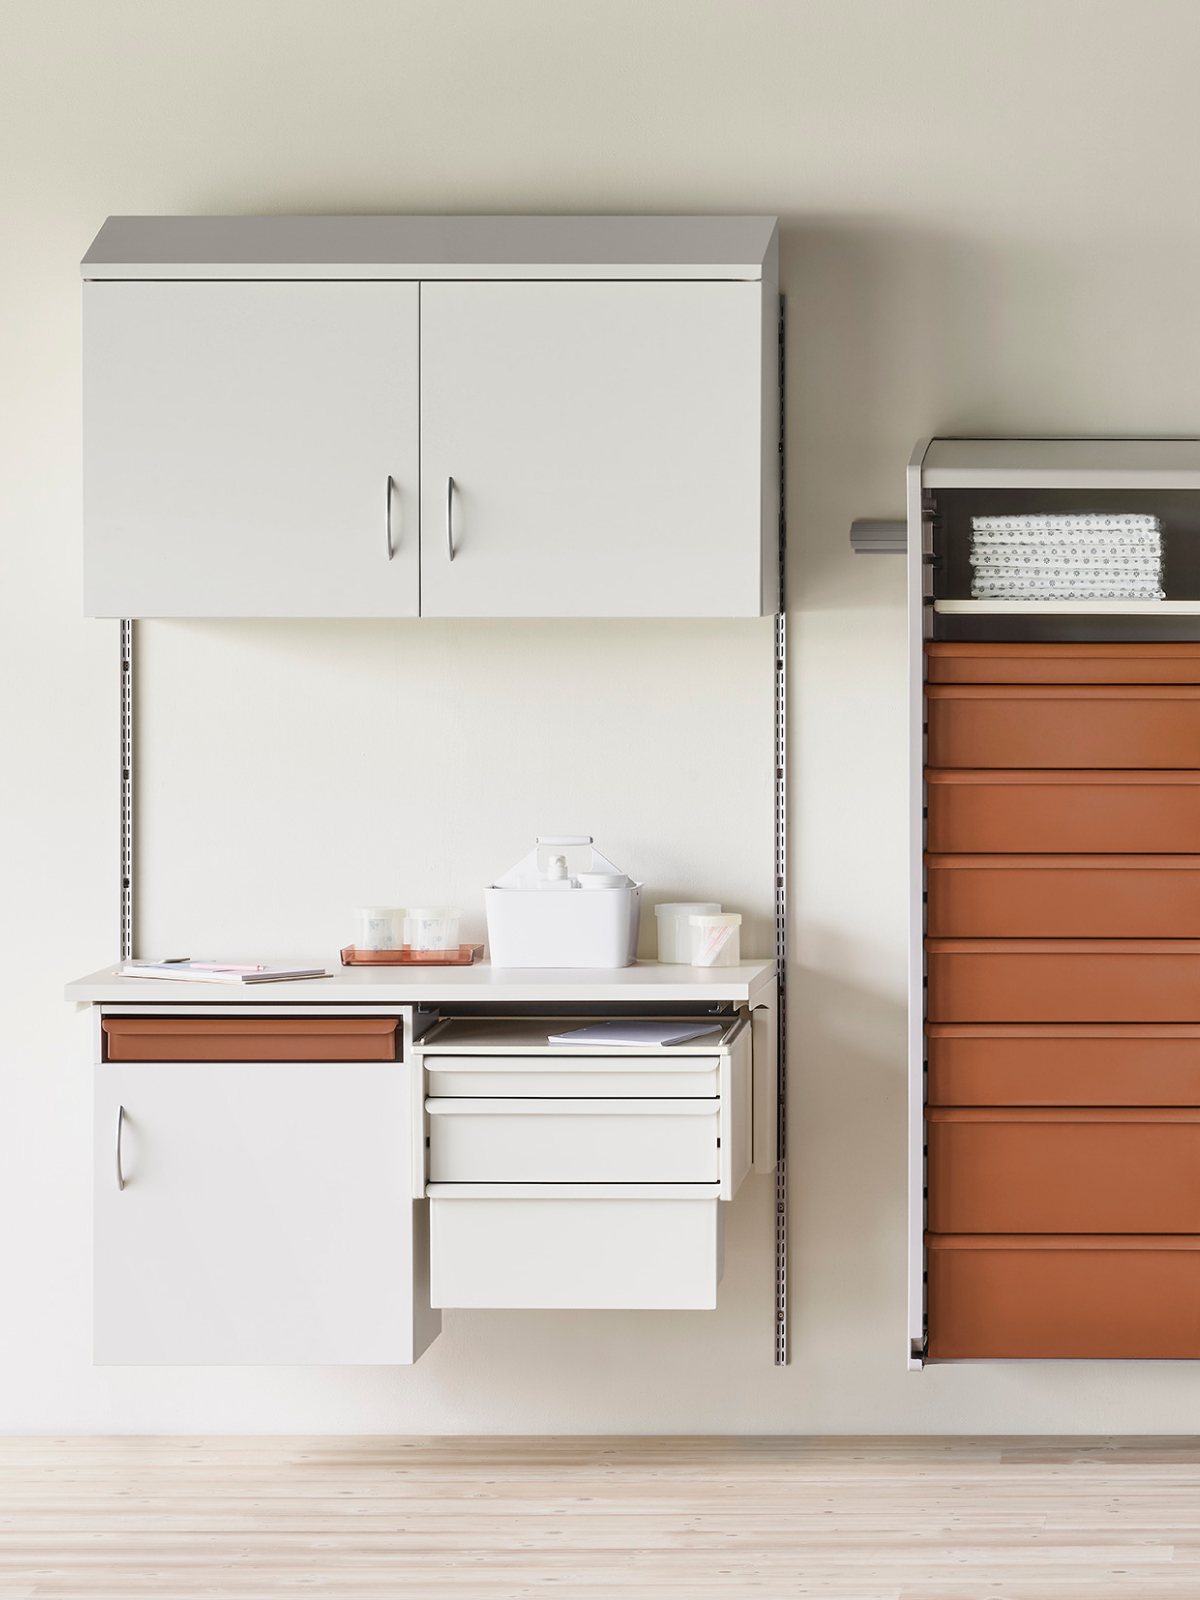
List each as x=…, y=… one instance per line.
x=886, y=1519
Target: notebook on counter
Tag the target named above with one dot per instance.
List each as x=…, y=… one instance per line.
x=633, y=1032
x=187, y=971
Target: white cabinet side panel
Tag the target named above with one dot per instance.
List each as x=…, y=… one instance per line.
x=605, y=441
x=916, y=924
x=238, y=439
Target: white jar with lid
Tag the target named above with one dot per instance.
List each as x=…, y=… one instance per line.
x=432, y=928
x=674, y=930
x=716, y=939
x=380, y=928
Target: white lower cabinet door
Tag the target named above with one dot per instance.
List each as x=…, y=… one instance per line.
x=257, y=1214
x=589, y=1253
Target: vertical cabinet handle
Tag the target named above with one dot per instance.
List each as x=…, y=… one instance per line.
x=450, y=518
x=387, y=519
x=120, y=1123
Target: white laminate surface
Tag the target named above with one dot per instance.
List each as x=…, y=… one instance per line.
x=648, y=982
x=1062, y=464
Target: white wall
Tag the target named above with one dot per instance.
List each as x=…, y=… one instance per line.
x=989, y=224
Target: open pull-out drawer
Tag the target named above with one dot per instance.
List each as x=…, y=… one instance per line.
x=252, y=1038
x=1004, y=1296
x=1049, y=1169
x=576, y=1246
x=581, y=1141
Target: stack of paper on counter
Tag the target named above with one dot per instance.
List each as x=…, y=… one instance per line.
x=187, y=971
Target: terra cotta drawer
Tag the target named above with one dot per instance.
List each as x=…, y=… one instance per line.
x=999, y=725
x=1078, y=811
x=1063, y=980
x=1064, y=1296
x=1064, y=1170
x=252, y=1038
x=1063, y=663
x=1063, y=896
x=1063, y=1064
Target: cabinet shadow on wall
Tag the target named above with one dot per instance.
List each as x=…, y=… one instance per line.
x=847, y=1162
x=896, y=332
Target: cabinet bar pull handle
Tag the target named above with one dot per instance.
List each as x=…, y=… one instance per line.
x=450, y=517
x=120, y=1121
x=387, y=522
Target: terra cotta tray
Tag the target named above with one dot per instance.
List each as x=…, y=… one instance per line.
x=464, y=956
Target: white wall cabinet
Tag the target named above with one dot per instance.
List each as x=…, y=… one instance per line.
x=266, y=1215
x=239, y=439
x=579, y=417
x=604, y=444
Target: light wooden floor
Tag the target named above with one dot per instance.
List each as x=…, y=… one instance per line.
x=684, y=1519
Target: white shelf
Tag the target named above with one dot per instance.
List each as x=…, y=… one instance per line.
x=647, y=981
x=1076, y=464
x=1067, y=608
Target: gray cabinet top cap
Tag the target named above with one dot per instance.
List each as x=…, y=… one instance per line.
x=435, y=247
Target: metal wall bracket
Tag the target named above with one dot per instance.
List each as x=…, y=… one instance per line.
x=872, y=537
x=126, y=879
x=781, y=865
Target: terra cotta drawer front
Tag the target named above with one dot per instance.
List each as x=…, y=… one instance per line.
x=1063, y=1064
x=1063, y=980
x=1063, y=726
x=1057, y=1170
x=1063, y=663
x=1005, y=1296
x=252, y=1038
x=1063, y=896
x=1085, y=811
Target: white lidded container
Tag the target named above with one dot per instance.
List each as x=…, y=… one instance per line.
x=563, y=905
x=675, y=931
x=432, y=928
x=380, y=928
x=716, y=939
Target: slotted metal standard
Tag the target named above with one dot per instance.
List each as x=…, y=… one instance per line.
x=781, y=862
x=126, y=912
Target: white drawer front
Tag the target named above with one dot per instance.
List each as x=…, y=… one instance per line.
x=694, y=1077
x=581, y=1141
x=581, y=1254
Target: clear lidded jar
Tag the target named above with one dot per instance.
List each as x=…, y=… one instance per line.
x=432, y=928
x=380, y=928
x=716, y=939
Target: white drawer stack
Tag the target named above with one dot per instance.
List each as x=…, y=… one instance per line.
x=585, y=1178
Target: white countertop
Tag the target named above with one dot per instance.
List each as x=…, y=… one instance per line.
x=647, y=981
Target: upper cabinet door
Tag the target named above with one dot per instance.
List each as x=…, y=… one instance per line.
x=239, y=443
x=598, y=449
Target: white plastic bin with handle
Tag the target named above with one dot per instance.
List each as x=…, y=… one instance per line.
x=540, y=915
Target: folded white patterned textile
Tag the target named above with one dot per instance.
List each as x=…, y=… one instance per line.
x=1070, y=522
x=1068, y=556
